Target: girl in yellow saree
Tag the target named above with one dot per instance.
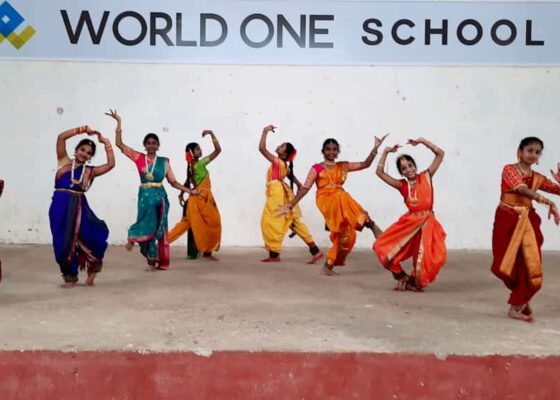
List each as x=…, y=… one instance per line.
x=274, y=226
x=343, y=215
x=201, y=216
x=517, y=236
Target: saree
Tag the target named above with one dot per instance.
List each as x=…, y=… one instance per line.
x=273, y=226
x=79, y=237
x=517, y=238
x=343, y=215
x=201, y=216
x=416, y=234
x=150, y=228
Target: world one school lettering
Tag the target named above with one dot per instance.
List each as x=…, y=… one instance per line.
x=311, y=31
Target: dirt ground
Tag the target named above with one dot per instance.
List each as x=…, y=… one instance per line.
x=240, y=303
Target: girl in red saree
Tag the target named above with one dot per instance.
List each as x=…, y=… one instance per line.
x=517, y=236
x=343, y=215
x=417, y=234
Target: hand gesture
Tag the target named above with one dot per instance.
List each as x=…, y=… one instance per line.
x=182, y=201
x=378, y=141
x=284, y=210
x=91, y=132
x=553, y=212
x=207, y=132
x=393, y=149
x=194, y=192
x=269, y=128
x=415, y=142
x=113, y=114
x=556, y=175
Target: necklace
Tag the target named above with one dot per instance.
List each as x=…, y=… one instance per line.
x=150, y=174
x=413, y=200
x=524, y=173
x=76, y=181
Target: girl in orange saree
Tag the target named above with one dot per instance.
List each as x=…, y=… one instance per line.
x=417, y=234
x=201, y=216
x=274, y=226
x=517, y=237
x=343, y=215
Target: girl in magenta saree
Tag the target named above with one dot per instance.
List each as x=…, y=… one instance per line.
x=79, y=237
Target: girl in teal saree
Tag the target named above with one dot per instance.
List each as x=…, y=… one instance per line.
x=150, y=229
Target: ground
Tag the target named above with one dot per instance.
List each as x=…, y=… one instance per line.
x=242, y=304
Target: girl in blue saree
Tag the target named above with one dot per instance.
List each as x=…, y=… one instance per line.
x=79, y=237
x=150, y=230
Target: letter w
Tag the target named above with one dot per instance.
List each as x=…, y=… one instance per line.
x=74, y=34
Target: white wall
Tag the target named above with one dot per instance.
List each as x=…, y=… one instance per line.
x=478, y=115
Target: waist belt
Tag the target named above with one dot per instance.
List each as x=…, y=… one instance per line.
x=69, y=191
x=151, y=185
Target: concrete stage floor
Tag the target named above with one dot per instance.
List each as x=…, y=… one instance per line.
x=241, y=304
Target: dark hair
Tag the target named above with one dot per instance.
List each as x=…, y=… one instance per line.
x=530, y=140
x=190, y=149
x=330, y=141
x=407, y=158
x=289, y=151
x=150, y=136
x=87, y=142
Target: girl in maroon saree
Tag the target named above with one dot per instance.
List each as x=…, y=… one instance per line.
x=517, y=236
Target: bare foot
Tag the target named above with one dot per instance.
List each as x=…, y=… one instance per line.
x=129, y=246
x=328, y=271
x=210, y=258
x=90, y=279
x=68, y=285
x=271, y=260
x=315, y=258
x=519, y=314
x=151, y=268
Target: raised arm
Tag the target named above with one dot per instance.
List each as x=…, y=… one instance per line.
x=358, y=166
x=118, y=133
x=103, y=169
x=262, y=144
x=380, y=172
x=217, y=147
x=64, y=136
x=439, y=153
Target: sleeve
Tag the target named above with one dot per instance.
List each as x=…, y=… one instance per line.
x=205, y=161
x=311, y=177
x=550, y=187
x=512, y=178
x=169, y=172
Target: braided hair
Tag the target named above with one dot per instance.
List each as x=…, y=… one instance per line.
x=189, y=152
x=289, y=156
